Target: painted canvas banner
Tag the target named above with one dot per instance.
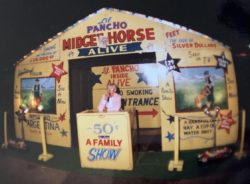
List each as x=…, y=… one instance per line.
x=138, y=86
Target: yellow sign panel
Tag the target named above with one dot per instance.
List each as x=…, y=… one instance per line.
x=138, y=86
x=197, y=74
x=43, y=90
x=50, y=52
x=105, y=140
x=112, y=32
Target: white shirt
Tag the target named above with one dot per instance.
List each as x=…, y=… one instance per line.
x=113, y=104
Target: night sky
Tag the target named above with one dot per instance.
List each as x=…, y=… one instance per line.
x=25, y=24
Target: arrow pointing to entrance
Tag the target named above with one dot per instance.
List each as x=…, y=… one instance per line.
x=153, y=113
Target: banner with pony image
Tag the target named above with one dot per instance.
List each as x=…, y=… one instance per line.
x=39, y=94
x=198, y=88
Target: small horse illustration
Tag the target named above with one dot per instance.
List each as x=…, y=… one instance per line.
x=203, y=94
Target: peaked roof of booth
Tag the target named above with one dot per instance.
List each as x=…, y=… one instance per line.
x=150, y=18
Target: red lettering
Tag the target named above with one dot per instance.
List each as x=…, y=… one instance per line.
x=88, y=142
x=182, y=45
x=122, y=36
x=119, y=142
x=66, y=44
x=177, y=32
x=79, y=42
x=106, y=142
x=95, y=141
x=92, y=40
x=112, y=36
x=150, y=35
x=139, y=33
x=130, y=35
x=73, y=43
x=120, y=82
x=172, y=33
x=100, y=143
x=86, y=41
x=167, y=34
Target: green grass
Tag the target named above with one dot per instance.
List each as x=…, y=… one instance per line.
x=151, y=165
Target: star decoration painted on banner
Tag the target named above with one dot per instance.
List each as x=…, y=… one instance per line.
x=142, y=78
x=62, y=117
x=94, y=79
x=63, y=133
x=58, y=71
x=226, y=121
x=171, y=119
x=170, y=136
x=222, y=61
x=171, y=63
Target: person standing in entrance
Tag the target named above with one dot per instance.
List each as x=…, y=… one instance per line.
x=110, y=101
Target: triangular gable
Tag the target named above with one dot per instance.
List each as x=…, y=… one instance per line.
x=118, y=27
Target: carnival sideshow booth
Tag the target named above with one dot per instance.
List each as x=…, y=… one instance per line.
x=180, y=84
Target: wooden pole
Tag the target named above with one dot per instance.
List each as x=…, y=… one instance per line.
x=241, y=153
x=176, y=141
x=45, y=156
x=5, y=144
x=176, y=163
x=243, y=130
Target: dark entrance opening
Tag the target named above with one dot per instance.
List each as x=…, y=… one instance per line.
x=81, y=81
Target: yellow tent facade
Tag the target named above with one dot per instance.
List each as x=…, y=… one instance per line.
x=162, y=69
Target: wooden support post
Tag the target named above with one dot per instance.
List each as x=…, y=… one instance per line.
x=176, y=163
x=5, y=144
x=241, y=153
x=45, y=156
